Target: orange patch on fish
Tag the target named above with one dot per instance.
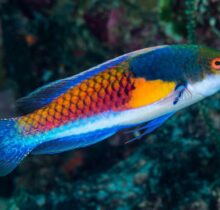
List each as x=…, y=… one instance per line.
x=148, y=92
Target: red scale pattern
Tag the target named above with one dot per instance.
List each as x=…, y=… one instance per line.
x=109, y=90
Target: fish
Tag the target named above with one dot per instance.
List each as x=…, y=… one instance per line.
x=143, y=88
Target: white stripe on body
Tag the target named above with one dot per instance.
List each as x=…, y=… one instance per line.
x=198, y=91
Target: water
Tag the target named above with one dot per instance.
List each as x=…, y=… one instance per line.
x=176, y=167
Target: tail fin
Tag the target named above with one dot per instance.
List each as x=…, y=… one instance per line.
x=13, y=148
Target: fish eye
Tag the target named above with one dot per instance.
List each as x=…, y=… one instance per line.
x=215, y=64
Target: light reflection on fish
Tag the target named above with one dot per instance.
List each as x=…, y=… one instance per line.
x=143, y=88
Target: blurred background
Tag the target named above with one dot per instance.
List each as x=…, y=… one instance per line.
x=175, y=168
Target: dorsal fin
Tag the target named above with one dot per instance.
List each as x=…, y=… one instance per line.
x=46, y=94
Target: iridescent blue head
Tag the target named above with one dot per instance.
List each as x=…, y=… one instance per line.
x=177, y=63
x=181, y=64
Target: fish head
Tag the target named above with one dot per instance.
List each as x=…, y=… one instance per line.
x=208, y=79
x=162, y=70
x=194, y=65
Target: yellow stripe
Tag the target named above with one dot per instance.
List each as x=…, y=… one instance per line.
x=148, y=92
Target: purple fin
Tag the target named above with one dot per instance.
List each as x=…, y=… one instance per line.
x=44, y=95
x=150, y=126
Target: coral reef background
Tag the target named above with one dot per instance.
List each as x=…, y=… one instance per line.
x=175, y=168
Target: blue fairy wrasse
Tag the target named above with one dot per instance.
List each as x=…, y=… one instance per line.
x=143, y=88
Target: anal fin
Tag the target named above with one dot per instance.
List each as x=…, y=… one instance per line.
x=72, y=142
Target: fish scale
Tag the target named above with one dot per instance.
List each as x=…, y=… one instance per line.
x=108, y=90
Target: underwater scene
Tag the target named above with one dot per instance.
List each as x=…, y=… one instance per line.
x=110, y=105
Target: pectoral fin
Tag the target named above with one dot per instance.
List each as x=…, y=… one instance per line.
x=151, y=126
x=179, y=91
